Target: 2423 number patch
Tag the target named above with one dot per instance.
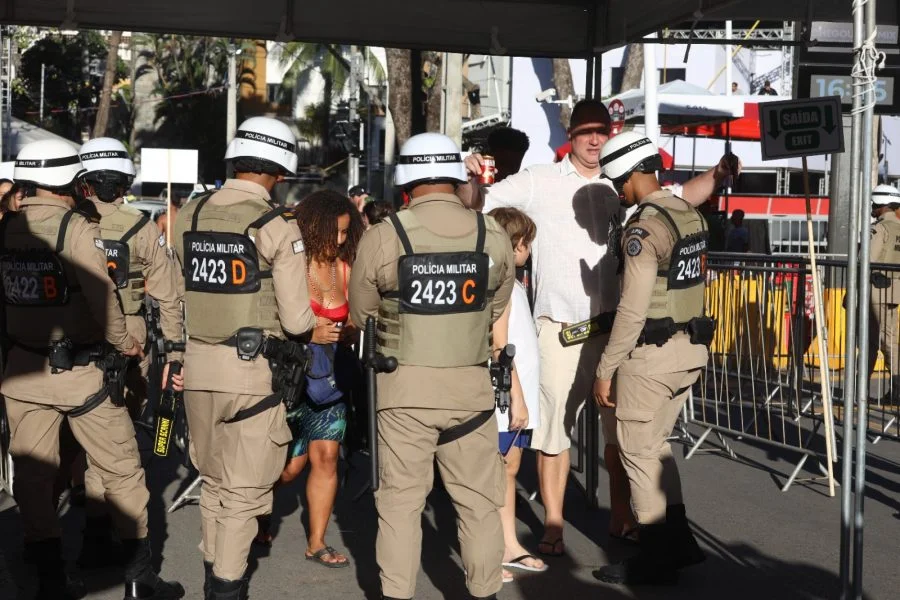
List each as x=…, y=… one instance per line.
x=220, y=263
x=443, y=283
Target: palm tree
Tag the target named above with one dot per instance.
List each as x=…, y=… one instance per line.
x=400, y=92
x=634, y=67
x=109, y=76
x=565, y=88
x=330, y=63
x=191, y=83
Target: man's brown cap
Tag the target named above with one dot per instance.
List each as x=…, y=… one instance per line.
x=589, y=114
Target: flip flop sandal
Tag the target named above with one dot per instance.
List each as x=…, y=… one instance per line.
x=508, y=578
x=519, y=563
x=319, y=555
x=552, y=545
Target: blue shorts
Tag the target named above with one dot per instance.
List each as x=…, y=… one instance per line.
x=506, y=440
x=310, y=423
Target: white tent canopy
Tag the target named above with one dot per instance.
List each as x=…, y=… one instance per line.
x=680, y=103
x=22, y=132
x=516, y=27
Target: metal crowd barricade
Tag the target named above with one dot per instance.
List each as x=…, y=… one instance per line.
x=763, y=379
x=755, y=384
x=884, y=349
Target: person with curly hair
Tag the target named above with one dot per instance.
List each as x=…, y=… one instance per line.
x=331, y=228
x=11, y=196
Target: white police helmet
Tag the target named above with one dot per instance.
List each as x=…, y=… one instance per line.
x=629, y=152
x=48, y=164
x=106, y=154
x=267, y=139
x=883, y=195
x=429, y=157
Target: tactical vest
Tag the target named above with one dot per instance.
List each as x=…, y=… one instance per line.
x=440, y=316
x=888, y=284
x=227, y=284
x=118, y=230
x=681, y=277
x=37, y=279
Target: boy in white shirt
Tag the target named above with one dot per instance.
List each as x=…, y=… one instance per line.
x=516, y=326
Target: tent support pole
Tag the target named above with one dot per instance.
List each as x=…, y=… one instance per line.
x=862, y=373
x=850, y=357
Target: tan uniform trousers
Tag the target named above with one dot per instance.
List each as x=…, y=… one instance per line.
x=135, y=399
x=239, y=463
x=647, y=409
x=567, y=379
x=473, y=473
x=883, y=336
x=107, y=435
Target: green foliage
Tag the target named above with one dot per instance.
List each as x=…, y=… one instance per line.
x=315, y=118
x=327, y=57
x=192, y=77
x=70, y=93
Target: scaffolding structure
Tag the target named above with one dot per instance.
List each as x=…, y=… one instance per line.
x=745, y=61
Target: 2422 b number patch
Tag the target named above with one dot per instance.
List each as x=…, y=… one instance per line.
x=34, y=278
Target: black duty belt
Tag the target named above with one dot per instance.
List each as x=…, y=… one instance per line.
x=83, y=355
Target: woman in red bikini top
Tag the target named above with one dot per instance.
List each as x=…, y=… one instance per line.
x=331, y=228
x=328, y=260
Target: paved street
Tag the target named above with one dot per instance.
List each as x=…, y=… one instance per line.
x=762, y=543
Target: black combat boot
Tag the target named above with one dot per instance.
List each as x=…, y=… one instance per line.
x=651, y=566
x=227, y=589
x=141, y=582
x=53, y=584
x=98, y=549
x=207, y=580
x=683, y=547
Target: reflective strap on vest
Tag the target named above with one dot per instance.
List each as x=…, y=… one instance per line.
x=130, y=234
x=675, y=230
x=257, y=224
x=137, y=227
x=407, y=245
x=60, y=237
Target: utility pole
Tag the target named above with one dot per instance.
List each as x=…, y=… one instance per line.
x=231, y=119
x=353, y=117
x=41, y=110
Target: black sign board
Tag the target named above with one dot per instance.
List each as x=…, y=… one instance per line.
x=825, y=66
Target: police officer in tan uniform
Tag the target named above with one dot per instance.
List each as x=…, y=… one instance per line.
x=656, y=350
x=885, y=249
x=138, y=263
x=244, y=265
x=62, y=322
x=436, y=276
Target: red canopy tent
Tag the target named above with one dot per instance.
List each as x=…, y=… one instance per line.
x=745, y=128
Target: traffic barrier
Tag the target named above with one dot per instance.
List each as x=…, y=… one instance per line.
x=763, y=379
x=753, y=385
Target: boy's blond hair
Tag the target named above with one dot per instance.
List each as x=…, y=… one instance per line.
x=517, y=224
